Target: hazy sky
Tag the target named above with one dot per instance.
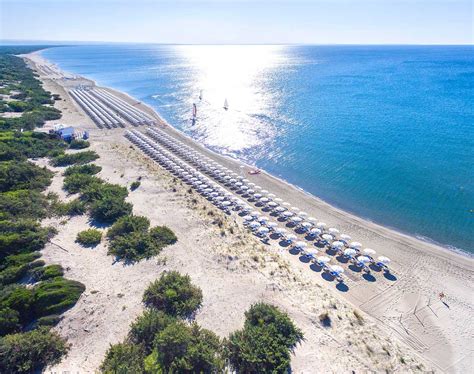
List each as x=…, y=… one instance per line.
x=240, y=21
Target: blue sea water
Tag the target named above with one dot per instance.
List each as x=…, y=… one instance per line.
x=385, y=132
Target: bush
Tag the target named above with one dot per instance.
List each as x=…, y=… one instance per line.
x=51, y=320
x=131, y=241
x=90, y=237
x=145, y=327
x=20, y=299
x=9, y=321
x=47, y=272
x=30, y=351
x=56, y=295
x=75, y=183
x=123, y=358
x=173, y=294
x=134, y=185
x=90, y=169
x=72, y=208
x=265, y=343
x=23, y=176
x=79, y=144
x=22, y=236
x=74, y=158
x=180, y=348
x=127, y=225
x=23, y=204
x=109, y=209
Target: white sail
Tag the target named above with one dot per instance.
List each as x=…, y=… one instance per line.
x=226, y=104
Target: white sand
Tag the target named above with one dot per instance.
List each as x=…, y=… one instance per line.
x=403, y=317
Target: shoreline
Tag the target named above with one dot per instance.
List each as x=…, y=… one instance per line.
x=416, y=262
x=331, y=205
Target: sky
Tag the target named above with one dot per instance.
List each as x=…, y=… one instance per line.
x=240, y=21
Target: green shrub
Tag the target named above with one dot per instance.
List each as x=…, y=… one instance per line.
x=22, y=236
x=31, y=351
x=145, y=327
x=9, y=321
x=90, y=169
x=123, y=358
x=23, y=176
x=51, y=320
x=56, y=295
x=127, y=225
x=173, y=294
x=79, y=144
x=180, y=348
x=74, y=158
x=134, y=185
x=72, y=208
x=109, y=209
x=20, y=299
x=47, y=272
x=75, y=183
x=163, y=236
x=265, y=343
x=90, y=237
x=23, y=204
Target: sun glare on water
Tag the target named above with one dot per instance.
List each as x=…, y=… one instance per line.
x=241, y=75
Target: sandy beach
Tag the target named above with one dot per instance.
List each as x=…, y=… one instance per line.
x=399, y=323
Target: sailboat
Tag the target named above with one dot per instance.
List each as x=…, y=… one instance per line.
x=226, y=104
x=194, y=110
x=200, y=95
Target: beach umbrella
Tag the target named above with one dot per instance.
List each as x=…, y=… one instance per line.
x=323, y=259
x=263, y=230
x=250, y=191
x=280, y=231
x=350, y=252
x=337, y=244
x=286, y=204
x=297, y=219
x=245, y=180
x=220, y=198
x=278, y=200
x=280, y=209
x=384, y=260
x=363, y=259
x=306, y=225
x=295, y=209
x=333, y=231
x=258, y=187
x=326, y=237
x=254, y=225
x=238, y=184
x=226, y=203
x=287, y=214
x=336, y=269
x=303, y=214
x=315, y=231
x=290, y=237
x=244, y=188
x=248, y=218
x=300, y=244
x=272, y=225
x=311, y=252
x=264, y=192
x=264, y=199
x=369, y=251
x=321, y=225
x=346, y=238
x=263, y=219
x=257, y=195
x=255, y=213
x=271, y=195
x=312, y=219
x=355, y=245
x=251, y=184
x=272, y=204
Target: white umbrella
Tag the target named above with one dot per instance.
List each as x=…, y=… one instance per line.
x=384, y=260
x=257, y=195
x=258, y=187
x=251, y=184
x=287, y=214
x=315, y=231
x=300, y=244
x=345, y=237
x=263, y=219
x=363, y=259
x=264, y=199
x=248, y=218
x=326, y=237
x=226, y=203
x=255, y=213
x=350, y=252
x=333, y=231
x=369, y=251
x=278, y=200
x=244, y=188
x=303, y=214
x=295, y=209
x=271, y=195
x=323, y=259
x=312, y=219
x=280, y=231
x=306, y=225
x=286, y=204
x=263, y=230
x=291, y=237
x=297, y=219
x=254, y=225
x=337, y=244
x=336, y=269
x=272, y=204
x=264, y=192
x=280, y=209
x=311, y=252
x=355, y=245
x=321, y=225
x=272, y=224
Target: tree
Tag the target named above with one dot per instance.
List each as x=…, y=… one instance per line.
x=180, y=348
x=174, y=294
x=265, y=343
x=30, y=351
x=123, y=358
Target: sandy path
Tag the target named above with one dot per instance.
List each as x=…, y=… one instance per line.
x=406, y=318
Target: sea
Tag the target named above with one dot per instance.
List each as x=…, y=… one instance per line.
x=383, y=132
